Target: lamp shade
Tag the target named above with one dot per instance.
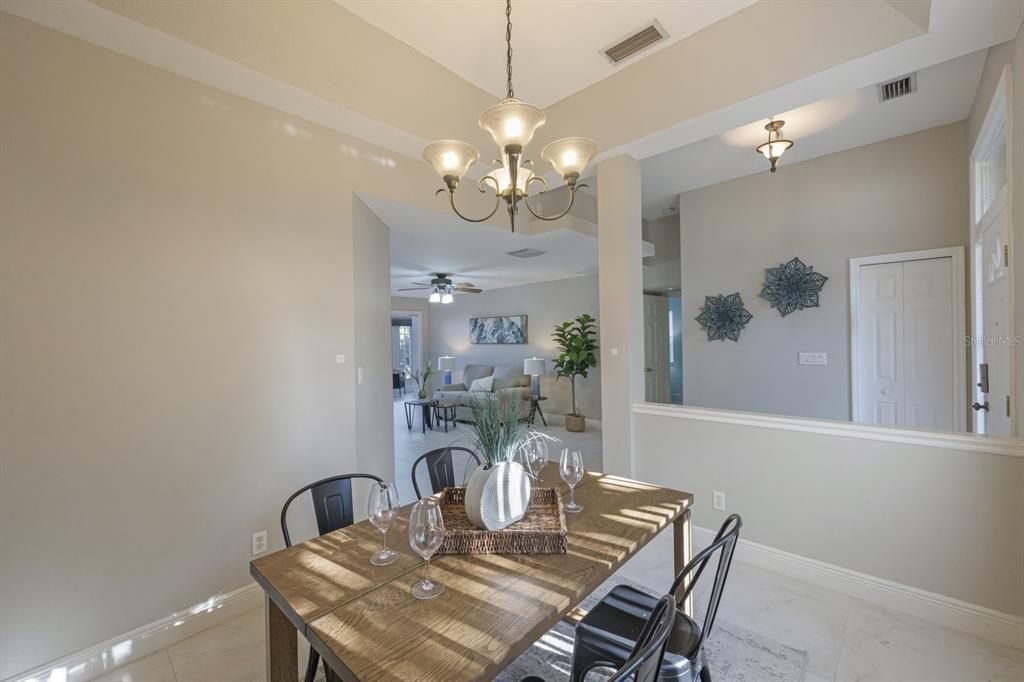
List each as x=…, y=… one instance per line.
x=446, y=363
x=512, y=122
x=570, y=155
x=532, y=366
x=450, y=157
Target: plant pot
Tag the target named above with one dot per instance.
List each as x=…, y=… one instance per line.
x=575, y=423
x=497, y=496
x=422, y=394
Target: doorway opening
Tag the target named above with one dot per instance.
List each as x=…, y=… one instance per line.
x=992, y=362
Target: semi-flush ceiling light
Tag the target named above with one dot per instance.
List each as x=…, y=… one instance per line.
x=512, y=123
x=776, y=145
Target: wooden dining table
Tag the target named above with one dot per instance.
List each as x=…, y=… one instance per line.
x=366, y=625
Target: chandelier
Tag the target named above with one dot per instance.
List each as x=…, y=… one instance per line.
x=512, y=123
x=776, y=145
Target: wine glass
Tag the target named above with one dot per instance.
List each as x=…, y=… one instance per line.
x=426, y=531
x=571, y=469
x=382, y=509
x=535, y=455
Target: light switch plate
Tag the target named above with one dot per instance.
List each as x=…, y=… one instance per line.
x=340, y=359
x=813, y=358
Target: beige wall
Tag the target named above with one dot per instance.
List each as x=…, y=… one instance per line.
x=546, y=304
x=905, y=194
x=177, y=274
x=1009, y=54
x=371, y=284
x=620, y=255
x=946, y=521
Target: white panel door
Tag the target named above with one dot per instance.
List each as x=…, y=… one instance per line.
x=657, y=379
x=907, y=344
x=931, y=344
x=996, y=337
x=880, y=344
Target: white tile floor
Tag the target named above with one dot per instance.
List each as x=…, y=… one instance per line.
x=847, y=640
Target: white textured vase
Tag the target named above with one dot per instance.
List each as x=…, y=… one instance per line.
x=497, y=497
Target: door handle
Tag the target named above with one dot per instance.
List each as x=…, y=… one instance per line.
x=977, y=406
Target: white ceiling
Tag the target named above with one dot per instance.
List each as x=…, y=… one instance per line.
x=944, y=95
x=556, y=45
x=423, y=242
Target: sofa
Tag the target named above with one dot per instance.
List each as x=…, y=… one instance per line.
x=509, y=383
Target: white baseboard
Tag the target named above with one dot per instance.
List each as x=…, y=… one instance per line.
x=980, y=621
x=148, y=639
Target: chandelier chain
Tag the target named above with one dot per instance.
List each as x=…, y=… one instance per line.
x=508, y=43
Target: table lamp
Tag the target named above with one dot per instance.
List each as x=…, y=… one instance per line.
x=446, y=363
x=534, y=367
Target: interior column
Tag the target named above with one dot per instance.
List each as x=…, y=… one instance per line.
x=620, y=289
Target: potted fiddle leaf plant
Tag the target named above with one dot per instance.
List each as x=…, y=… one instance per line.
x=577, y=346
x=498, y=492
x=421, y=378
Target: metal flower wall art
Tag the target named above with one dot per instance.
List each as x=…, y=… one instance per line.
x=792, y=286
x=723, y=317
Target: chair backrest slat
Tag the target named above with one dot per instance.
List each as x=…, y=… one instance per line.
x=644, y=662
x=440, y=468
x=332, y=503
x=724, y=545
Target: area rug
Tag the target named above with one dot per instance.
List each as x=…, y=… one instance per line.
x=735, y=654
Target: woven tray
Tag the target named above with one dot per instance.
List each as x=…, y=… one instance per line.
x=541, y=531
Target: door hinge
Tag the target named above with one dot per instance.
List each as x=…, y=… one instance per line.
x=1007, y=406
x=1006, y=255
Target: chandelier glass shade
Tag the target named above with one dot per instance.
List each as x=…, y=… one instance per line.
x=512, y=124
x=775, y=146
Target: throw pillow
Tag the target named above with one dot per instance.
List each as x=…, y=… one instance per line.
x=482, y=385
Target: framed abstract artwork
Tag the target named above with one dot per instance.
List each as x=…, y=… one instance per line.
x=500, y=329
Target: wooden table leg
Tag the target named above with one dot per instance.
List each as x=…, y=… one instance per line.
x=682, y=538
x=282, y=646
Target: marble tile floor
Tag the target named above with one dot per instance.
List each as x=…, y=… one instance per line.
x=847, y=640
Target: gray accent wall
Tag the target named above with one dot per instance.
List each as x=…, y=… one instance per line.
x=905, y=194
x=545, y=304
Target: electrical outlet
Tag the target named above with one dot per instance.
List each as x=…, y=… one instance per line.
x=718, y=500
x=259, y=542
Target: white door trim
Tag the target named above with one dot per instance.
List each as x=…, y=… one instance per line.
x=956, y=253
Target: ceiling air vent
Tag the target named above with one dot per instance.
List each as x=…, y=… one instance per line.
x=526, y=253
x=635, y=42
x=897, y=87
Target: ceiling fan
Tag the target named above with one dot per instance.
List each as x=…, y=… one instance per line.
x=441, y=288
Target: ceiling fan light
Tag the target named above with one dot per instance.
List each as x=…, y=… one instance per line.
x=435, y=297
x=451, y=158
x=512, y=123
x=447, y=298
x=570, y=155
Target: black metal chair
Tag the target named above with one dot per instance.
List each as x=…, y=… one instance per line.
x=332, y=504
x=607, y=634
x=441, y=468
x=644, y=661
